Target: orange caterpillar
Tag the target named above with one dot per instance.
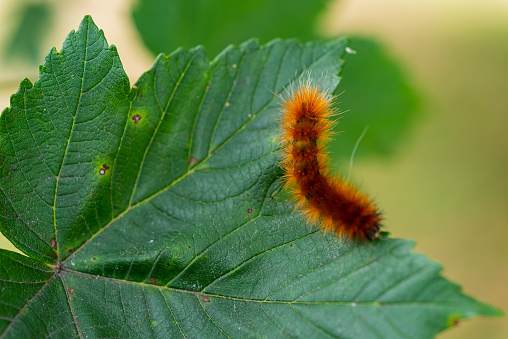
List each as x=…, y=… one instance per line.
x=324, y=197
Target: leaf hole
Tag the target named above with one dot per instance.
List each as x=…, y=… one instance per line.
x=103, y=170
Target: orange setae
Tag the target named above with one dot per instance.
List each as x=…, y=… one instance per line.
x=323, y=197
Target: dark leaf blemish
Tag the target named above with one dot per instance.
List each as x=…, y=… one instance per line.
x=192, y=160
x=152, y=280
x=206, y=299
x=71, y=291
x=52, y=243
x=249, y=210
x=136, y=118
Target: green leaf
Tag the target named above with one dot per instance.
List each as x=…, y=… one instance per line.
x=33, y=22
x=153, y=211
x=167, y=25
x=392, y=103
x=375, y=94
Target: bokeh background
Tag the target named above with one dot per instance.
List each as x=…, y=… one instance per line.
x=428, y=86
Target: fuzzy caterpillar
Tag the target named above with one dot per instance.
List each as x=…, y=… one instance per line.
x=323, y=197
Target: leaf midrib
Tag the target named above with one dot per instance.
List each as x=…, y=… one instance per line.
x=68, y=142
x=263, y=301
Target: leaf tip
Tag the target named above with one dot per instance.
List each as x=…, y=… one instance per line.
x=25, y=84
x=87, y=21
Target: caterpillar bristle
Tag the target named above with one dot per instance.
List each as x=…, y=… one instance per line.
x=324, y=198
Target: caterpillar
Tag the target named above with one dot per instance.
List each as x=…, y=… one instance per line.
x=323, y=197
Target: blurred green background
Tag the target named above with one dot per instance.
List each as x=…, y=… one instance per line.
x=428, y=79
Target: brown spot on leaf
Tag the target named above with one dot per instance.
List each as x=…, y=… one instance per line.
x=52, y=243
x=94, y=258
x=206, y=299
x=167, y=264
x=69, y=251
x=152, y=280
x=140, y=95
x=136, y=118
x=71, y=291
x=135, y=87
x=249, y=210
x=192, y=160
x=103, y=170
